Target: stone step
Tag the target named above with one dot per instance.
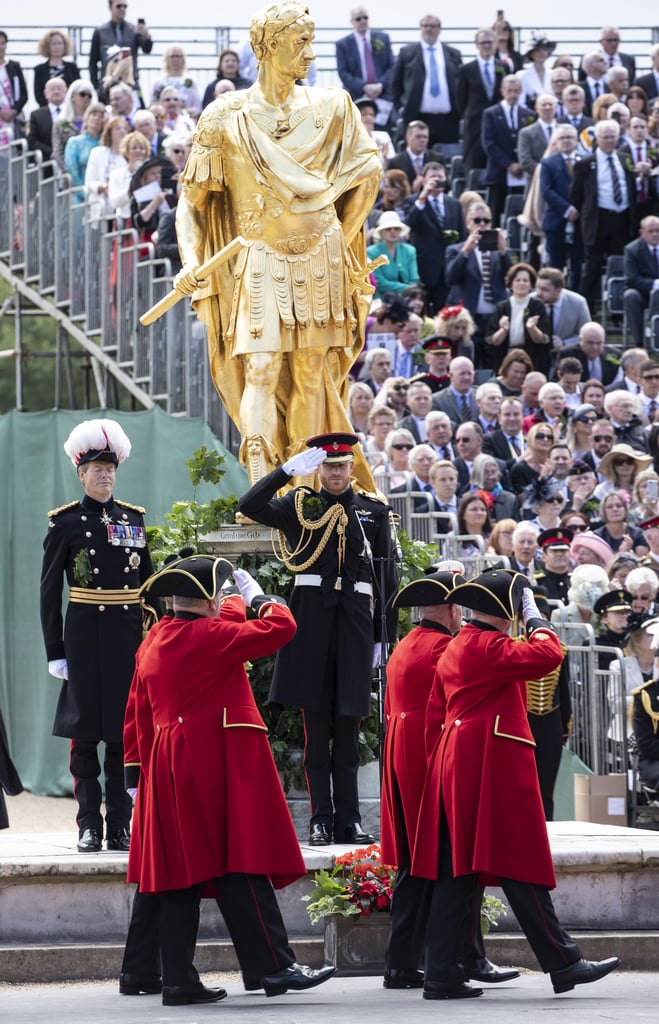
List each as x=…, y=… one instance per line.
x=40, y=964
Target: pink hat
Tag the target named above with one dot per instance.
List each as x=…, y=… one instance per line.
x=594, y=543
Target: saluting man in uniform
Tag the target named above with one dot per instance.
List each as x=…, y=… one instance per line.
x=99, y=545
x=338, y=543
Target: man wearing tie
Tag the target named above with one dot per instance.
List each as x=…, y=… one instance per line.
x=415, y=155
x=40, y=131
x=594, y=67
x=560, y=220
x=574, y=99
x=499, y=134
x=424, y=80
x=590, y=353
x=364, y=60
x=643, y=156
x=507, y=441
x=650, y=82
x=479, y=84
x=641, y=275
x=603, y=190
x=407, y=344
x=431, y=215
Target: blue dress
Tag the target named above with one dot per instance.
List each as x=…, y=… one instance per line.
x=76, y=155
x=399, y=274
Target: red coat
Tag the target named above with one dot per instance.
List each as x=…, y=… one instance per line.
x=410, y=673
x=482, y=770
x=209, y=791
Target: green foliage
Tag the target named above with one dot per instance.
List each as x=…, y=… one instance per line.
x=329, y=897
x=189, y=520
x=491, y=910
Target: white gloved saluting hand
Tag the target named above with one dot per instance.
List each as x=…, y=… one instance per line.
x=59, y=668
x=247, y=585
x=529, y=607
x=305, y=463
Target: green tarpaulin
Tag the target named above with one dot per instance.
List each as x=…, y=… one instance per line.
x=37, y=476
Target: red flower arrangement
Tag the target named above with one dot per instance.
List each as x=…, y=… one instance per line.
x=359, y=883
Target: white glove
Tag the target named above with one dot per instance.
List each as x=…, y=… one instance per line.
x=132, y=793
x=59, y=668
x=305, y=463
x=529, y=607
x=377, y=655
x=247, y=585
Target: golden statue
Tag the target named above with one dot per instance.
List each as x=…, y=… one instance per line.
x=291, y=170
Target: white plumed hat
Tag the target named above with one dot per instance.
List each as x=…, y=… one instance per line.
x=97, y=440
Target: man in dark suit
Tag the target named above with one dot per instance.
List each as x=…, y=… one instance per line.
x=574, y=100
x=641, y=275
x=419, y=402
x=364, y=61
x=560, y=220
x=591, y=75
x=116, y=32
x=610, y=42
x=421, y=460
x=479, y=83
x=590, y=353
x=416, y=154
x=423, y=83
x=477, y=278
x=507, y=441
x=435, y=219
x=650, y=82
x=499, y=133
x=458, y=400
x=604, y=192
x=40, y=130
x=640, y=151
x=534, y=139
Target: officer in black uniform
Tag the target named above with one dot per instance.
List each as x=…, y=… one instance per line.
x=339, y=545
x=437, y=356
x=614, y=609
x=554, y=545
x=99, y=545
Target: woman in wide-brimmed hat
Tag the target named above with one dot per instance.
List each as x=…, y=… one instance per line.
x=402, y=269
x=620, y=466
x=537, y=78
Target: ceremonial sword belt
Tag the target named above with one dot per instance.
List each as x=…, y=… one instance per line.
x=310, y=579
x=80, y=595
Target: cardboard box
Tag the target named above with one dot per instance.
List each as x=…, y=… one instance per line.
x=601, y=799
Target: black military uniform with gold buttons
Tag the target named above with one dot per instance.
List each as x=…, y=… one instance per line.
x=555, y=583
x=99, y=547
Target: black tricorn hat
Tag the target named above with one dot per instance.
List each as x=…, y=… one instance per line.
x=495, y=592
x=431, y=589
x=198, y=576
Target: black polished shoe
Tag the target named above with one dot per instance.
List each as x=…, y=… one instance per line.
x=319, y=836
x=297, y=977
x=138, y=984
x=582, y=973
x=119, y=841
x=403, y=977
x=183, y=995
x=450, y=990
x=484, y=971
x=90, y=841
x=355, y=835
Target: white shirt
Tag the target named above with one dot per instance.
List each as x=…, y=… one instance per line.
x=440, y=104
x=360, y=40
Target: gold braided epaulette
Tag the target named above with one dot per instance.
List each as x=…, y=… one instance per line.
x=127, y=504
x=376, y=496
x=62, y=508
x=638, y=689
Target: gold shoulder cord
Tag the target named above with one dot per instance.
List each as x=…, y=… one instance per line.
x=334, y=516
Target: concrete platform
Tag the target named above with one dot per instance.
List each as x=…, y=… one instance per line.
x=67, y=914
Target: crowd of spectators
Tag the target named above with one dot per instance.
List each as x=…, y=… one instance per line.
x=488, y=394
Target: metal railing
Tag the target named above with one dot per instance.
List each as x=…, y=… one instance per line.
x=96, y=281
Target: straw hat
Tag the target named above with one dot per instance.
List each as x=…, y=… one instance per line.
x=626, y=451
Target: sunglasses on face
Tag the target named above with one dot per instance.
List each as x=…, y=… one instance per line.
x=623, y=462
x=582, y=419
x=602, y=437
x=85, y=95
x=579, y=527
x=651, y=376
x=481, y=220
x=556, y=500
x=403, y=447
x=544, y=437
x=179, y=151
x=399, y=387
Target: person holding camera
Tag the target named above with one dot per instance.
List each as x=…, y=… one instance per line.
x=520, y=321
x=475, y=274
x=435, y=220
x=117, y=32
